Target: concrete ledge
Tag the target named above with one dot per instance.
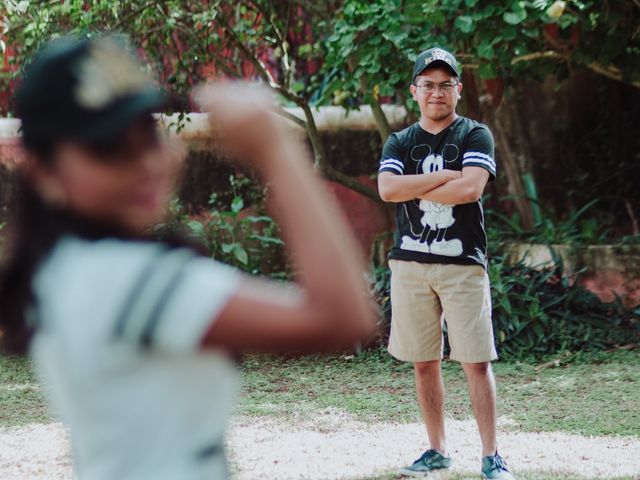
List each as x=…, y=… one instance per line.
x=330, y=118
x=194, y=128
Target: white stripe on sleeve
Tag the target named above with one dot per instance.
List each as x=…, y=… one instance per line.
x=392, y=160
x=477, y=154
x=392, y=166
x=470, y=161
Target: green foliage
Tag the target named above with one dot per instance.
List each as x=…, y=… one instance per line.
x=237, y=234
x=380, y=287
x=278, y=43
x=540, y=312
x=188, y=41
x=576, y=229
x=380, y=39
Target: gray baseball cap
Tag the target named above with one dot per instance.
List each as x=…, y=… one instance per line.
x=434, y=57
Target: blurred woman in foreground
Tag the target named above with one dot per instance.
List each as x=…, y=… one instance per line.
x=130, y=335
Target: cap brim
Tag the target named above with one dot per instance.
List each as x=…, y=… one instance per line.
x=122, y=114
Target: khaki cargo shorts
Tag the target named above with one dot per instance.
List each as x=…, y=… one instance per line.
x=424, y=295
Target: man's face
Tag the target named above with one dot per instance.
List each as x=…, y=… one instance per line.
x=437, y=92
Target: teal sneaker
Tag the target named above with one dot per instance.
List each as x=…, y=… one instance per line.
x=428, y=461
x=494, y=467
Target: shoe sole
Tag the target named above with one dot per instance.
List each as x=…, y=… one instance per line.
x=411, y=473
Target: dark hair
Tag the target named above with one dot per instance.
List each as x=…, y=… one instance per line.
x=34, y=229
x=31, y=236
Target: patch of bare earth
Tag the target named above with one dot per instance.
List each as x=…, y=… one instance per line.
x=333, y=445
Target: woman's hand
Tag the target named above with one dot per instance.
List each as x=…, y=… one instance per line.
x=243, y=120
x=333, y=309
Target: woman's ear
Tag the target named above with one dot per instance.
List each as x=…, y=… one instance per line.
x=44, y=182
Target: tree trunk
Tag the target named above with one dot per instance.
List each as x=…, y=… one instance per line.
x=513, y=171
x=384, y=129
x=482, y=105
x=321, y=163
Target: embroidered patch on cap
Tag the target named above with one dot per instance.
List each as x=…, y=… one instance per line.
x=438, y=54
x=106, y=74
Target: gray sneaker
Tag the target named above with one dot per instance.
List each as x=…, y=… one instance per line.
x=428, y=461
x=495, y=468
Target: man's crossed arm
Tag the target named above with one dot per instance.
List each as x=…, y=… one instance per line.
x=400, y=188
x=446, y=186
x=466, y=189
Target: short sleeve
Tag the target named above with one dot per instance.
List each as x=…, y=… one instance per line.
x=479, y=151
x=175, y=300
x=391, y=160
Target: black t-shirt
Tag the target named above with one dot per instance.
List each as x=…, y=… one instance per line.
x=432, y=232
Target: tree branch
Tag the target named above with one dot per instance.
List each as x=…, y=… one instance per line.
x=536, y=56
x=321, y=163
x=611, y=72
x=260, y=68
x=353, y=184
x=319, y=158
x=281, y=41
x=289, y=116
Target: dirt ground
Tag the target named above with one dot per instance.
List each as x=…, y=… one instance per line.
x=332, y=445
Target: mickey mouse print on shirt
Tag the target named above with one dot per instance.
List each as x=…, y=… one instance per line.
x=437, y=217
x=433, y=232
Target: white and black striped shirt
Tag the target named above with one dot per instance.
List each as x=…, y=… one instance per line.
x=120, y=326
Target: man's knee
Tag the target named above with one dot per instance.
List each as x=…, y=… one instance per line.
x=477, y=369
x=427, y=369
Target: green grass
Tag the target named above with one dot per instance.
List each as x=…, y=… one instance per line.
x=21, y=401
x=596, y=397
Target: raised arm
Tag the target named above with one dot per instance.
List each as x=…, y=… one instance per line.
x=400, y=188
x=329, y=308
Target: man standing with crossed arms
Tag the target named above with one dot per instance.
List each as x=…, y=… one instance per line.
x=436, y=171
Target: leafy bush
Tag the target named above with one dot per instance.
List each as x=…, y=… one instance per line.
x=577, y=228
x=538, y=312
x=541, y=312
x=380, y=288
x=237, y=235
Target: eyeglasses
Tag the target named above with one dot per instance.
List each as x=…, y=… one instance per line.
x=430, y=87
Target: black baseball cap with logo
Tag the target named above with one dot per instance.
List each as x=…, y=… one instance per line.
x=88, y=90
x=435, y=57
